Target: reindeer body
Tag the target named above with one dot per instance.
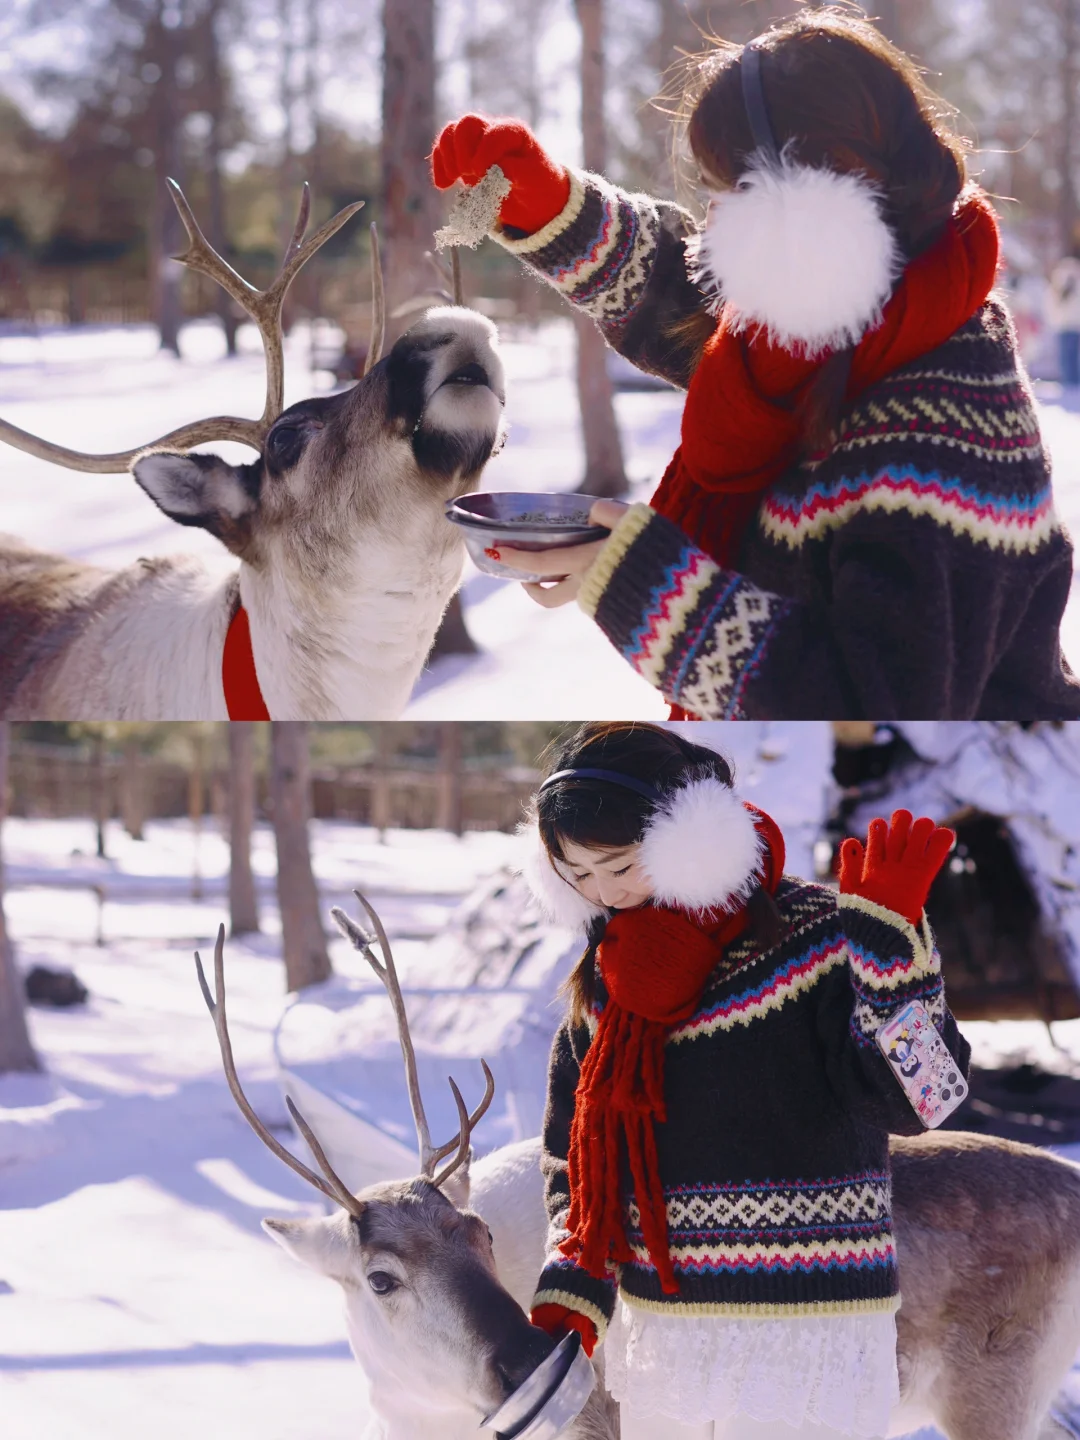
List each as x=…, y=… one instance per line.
x=987, y=1239
x=347, y=561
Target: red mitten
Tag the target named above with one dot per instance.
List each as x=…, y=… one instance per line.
x=559, y=1320
x=899, y=863
x=466, y=150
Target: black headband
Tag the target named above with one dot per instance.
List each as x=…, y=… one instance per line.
x=757, y=112
x=613, y=777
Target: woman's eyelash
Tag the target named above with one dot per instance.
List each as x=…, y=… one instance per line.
x=623, y=871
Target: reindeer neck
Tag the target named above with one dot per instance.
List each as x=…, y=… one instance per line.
x=349, y=644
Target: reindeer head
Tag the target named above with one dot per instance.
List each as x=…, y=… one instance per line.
x=413, y=433
x=434, y=1330
x=361, y=466
x=427, y=1317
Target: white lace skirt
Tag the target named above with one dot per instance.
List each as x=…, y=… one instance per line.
x=833, y=1370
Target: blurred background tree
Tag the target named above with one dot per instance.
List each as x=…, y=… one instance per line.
x=242, y=100
x=16, y=1051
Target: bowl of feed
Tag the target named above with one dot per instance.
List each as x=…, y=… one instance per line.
x=524, y=521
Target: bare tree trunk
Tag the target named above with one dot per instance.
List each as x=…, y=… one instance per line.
x=303, y=940
x=411, y=211
x=133, y=789
x=215, y=87
x=1067, y=194
x=165, y=239
x=453, y=637
x=101, y=793
x=196, y=808
x=411, y=208
x=243, y=908
x=16, y=1051
x=604, y=470
x=451, y=809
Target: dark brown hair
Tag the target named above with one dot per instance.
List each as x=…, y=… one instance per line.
x=604, y=815
x=844, y=98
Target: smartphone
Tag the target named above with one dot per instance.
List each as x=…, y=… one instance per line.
x=920, y=1060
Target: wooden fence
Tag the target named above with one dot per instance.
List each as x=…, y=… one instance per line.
x=57, y=782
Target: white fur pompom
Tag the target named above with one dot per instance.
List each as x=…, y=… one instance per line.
x=556, y=897
x=801, y=252
x=701, y=850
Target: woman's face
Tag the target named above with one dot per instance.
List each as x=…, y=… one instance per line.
x=612, y=878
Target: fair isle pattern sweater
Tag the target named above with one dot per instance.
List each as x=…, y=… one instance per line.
x=774, y=1157
x=916, y=570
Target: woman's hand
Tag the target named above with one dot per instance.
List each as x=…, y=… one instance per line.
x=899, y=863
x=559, y=1320
x=567, y=566
x=466, y=149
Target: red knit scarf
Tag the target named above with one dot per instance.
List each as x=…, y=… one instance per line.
x=654, y=963
x=741, y=427
x=243, y=694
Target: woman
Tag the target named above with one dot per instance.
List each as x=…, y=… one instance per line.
x=716, y=1137
x=859, y=521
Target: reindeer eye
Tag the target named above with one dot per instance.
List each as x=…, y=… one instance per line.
x=285, y=444
x=381, y=1282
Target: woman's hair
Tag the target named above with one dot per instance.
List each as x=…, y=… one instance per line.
x=843, y=98
x=601, y=814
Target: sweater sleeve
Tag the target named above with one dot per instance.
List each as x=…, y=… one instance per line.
x=623, y=259
x=563, y=1281
x=892, y=633
x=890, y=962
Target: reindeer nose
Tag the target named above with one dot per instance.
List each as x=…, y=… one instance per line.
x=518, y=1355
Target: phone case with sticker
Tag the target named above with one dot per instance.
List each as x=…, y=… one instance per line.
x=921, y=1062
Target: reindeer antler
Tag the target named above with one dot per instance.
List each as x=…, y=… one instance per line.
x=387, y=972
x=333, y=1187
x=263, y=306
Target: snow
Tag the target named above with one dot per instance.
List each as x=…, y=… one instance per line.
x=103, y=388
x=135, y=1281
x=136, y=1286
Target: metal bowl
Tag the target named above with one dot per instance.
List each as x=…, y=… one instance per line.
x=551, y=1398
x=534, y=522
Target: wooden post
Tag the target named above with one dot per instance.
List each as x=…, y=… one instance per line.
x=196, y=806
x=101, y=792
x=450, y=810
x=380, y=792
x=16, y=1051
x=303, y=941
x=243, y=907
x=132, y=788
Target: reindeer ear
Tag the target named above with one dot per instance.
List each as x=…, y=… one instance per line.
x=203, y=490
x=456, y=1186
x=315, y=1243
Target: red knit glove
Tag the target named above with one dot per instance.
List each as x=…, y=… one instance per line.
x=559, y=1320
x=466, y=150
x=899, y=863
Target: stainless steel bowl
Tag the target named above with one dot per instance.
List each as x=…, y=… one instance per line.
x=535, y=522
x=551, y=1398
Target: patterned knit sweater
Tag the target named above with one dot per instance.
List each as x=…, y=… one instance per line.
x=774, y=1157
x=916, y=570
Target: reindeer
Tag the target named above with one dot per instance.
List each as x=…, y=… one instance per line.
x=440, y=1338
x=346, y=560
x=987, y=1235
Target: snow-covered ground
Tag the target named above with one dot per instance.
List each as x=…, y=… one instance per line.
x=137, y=1290
x=106, y=388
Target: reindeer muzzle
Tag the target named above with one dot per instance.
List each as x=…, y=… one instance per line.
x=550, y=1399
